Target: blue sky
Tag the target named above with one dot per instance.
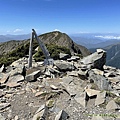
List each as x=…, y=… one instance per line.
x=69, y=16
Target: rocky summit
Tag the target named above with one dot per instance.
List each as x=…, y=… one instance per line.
x=70, y=89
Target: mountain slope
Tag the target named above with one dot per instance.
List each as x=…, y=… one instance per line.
x=9, y=46
x=63, y=39
x=14, y=50
x=113, y=55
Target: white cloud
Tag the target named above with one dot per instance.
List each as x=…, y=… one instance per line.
x=56, y=30
x=8, y=31
x=18, y=30
x=108, y=37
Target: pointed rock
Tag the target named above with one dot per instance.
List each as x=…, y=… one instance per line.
x=95, y=60
x=33, y=76
x=91, y=92
x=100, y=98
x=111, y=105
x=4, y=79
x=1, y=117
x=41, y=113
x=2, y=68
x=62, y=115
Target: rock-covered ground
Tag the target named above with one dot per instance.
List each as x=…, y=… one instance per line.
x=83, y=89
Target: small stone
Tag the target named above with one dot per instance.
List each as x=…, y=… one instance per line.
x=40, y=93
x=16, y=117
x=53, y=87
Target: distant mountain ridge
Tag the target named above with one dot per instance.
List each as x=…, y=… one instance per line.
x=13, y=50
x=95, y=40
x=8, y=37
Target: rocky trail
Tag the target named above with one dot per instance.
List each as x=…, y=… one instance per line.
x=73, y=89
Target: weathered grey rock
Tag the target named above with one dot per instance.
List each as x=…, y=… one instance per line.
x=73, y=73
x=53, y=87
x=64, y=66
x=114, y=80
x=95, y=60
x=4, y=79
x=70, y=86
x=40, y=93
x=41, y=113
x=80, y=98
x=82, y=74
x=110, y=74
x=4, y=105
x=16, y=78
x=16, y=71
x=64, y=56
x=33, y=76
x=62, y=115
x=91, y=92
x=100, y=98
x=111, y=105
x=98, y=72
x=20, y=62
x=102, y=82
x=13, y=84
x=1, y=117
x=1, y=93
x=73, y=58
x=2, y=68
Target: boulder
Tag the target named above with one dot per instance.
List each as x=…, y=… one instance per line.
x=33, y=76
x=100, y=98
x=91, y=92
x=101, y=81
x=111, y=105
x=95, y=60
x=64, y=56
x=64, y=66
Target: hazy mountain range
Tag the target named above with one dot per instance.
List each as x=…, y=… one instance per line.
x=96, y=40
x=8, y=37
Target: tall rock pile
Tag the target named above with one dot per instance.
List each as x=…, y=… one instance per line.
x=82, y=89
